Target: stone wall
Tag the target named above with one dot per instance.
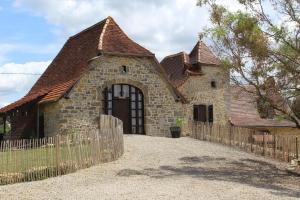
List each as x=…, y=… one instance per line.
x=81, y=110
x=51, y=118
x=197, y=90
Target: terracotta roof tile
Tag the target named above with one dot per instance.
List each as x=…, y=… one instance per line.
x=243, y=111
x=23, y=101
x=177, y=65
x=58, y=91
x=115, y=40
x=202, y=54
x=174, y=66
x=72, y=60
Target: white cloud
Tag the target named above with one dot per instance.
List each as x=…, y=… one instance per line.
x=162, y=26
x=6, y=48
x=15, y=84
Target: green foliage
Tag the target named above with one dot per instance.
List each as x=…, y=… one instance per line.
x=239, y=30
x=8, y=128
x=255, y=47
x=180, y=122
x=296, y=106
x=203, y=2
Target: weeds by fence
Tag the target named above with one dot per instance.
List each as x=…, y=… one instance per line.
x=35, y=159
x=280, y=147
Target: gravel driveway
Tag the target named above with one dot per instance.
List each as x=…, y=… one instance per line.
x=164, y=168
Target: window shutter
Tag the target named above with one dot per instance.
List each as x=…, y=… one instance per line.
x=196, y=113
x=210, y=114
x=202, y=113
x=105, y=100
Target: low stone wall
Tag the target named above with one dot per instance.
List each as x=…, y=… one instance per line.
x=36, y=159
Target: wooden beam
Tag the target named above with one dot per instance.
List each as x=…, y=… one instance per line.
x=38, y=122
x=4, y=124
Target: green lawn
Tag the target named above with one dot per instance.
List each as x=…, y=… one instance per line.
x=24, y=160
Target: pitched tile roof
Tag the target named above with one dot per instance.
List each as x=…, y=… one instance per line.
x=243, y=111
x=177, y=65
x=72, y=60
x=202, y=54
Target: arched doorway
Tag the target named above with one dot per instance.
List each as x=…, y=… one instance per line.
x=126, y=102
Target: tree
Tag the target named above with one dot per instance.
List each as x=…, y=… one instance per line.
x=261, y=51
x=296, y=106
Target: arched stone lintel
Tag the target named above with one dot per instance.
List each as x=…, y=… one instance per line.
x=136, y=84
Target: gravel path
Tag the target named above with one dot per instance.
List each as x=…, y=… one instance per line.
x=164, y=168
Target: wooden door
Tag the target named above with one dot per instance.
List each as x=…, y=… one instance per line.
x=126, y=102
x=41, y=127
x=121, y=110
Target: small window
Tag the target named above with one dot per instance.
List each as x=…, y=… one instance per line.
x=125, y=90
x=213, y=84
x=200, y=113
x=203, y=113
x=117, y=91
x=124, y=69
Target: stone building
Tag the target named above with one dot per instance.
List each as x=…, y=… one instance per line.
x=101, y=70
x=202, y=81
x=98, y=71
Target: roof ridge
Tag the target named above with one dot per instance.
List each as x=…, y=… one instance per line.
x=176, y=54
x=197, y=44
x=89, y=28
x=103, y=32
x=111, y=20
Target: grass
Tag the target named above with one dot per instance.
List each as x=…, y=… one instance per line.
x=24, y=160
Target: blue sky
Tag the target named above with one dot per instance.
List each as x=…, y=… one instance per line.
x=27, y=35
x=33, y=31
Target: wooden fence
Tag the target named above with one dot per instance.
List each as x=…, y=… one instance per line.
x=35, y=159
x=280, y=147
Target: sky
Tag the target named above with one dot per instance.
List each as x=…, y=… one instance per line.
x=33, y=31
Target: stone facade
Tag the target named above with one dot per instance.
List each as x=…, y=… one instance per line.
x=51, y=113
x=198, y=91
x=81, y=109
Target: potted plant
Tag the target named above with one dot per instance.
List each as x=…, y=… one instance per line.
x=176, y=129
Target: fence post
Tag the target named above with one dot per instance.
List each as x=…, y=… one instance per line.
x=209, y=131
x=297, y=155
x=57, y=154
x=274, y=145
x=264, y=143
x=230, y=134
x=251, y=141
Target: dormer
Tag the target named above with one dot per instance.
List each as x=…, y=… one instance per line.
x=182, y=65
